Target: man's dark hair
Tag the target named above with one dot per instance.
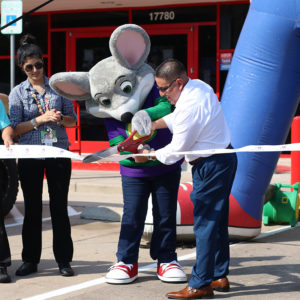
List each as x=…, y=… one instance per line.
x=171, y=69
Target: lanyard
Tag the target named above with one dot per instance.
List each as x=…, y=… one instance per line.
x=38, y=102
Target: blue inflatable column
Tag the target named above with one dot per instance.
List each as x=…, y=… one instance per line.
x=259, y=100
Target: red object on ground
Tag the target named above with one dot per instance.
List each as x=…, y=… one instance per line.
x=238, y=217
x=186, y=206
x=103, y=166
x=282, y=169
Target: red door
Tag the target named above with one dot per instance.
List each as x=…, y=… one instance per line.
x=85, y=47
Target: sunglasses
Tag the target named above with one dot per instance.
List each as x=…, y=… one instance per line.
x=164, y=88
x=38, y=65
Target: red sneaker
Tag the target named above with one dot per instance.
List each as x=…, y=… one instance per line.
x=171, y=272
x=122, y=273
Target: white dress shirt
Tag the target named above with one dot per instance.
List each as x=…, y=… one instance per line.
x=197, y=123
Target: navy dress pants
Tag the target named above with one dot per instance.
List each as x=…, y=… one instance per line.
x=58, y=173
x=5, y=259
x=212, y=182
x=136, y=193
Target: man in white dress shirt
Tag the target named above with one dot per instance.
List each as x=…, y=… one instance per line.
x=198, y=123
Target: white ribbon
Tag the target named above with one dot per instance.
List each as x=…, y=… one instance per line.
x=38, y=151
x=250, y=148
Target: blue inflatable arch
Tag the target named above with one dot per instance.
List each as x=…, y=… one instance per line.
x=260, y=97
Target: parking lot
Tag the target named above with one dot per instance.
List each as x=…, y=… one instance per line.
x=267, y=267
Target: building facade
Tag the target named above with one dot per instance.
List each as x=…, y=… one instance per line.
x=202, y=35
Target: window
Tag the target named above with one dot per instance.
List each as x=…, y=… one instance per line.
x=232, y=21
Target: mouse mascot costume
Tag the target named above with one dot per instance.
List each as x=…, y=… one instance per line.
x=115, y=89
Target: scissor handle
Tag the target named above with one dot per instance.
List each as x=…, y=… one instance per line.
x=132, y=145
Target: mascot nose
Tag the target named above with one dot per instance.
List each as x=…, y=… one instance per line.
x=126, y=117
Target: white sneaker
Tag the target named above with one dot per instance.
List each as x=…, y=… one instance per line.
x=121, y=273
x=171, y=272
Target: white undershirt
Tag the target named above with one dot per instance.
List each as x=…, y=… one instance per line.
x=197, y=123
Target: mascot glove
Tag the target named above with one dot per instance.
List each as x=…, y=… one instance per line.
x=142, y=123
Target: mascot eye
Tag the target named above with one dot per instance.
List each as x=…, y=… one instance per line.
x=102, y=99
x=105, y=102
x=126, y=87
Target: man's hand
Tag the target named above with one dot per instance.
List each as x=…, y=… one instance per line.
x=142, y=123
x=142, y=159
x=145, y=150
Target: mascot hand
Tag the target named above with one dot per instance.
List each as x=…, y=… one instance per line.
x=142, y=123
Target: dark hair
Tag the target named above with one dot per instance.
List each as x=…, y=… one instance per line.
x=171, y=69
x=28, y=49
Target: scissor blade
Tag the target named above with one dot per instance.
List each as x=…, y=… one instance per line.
x=100, y=154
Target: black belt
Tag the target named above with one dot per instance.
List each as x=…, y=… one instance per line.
x=193, y=162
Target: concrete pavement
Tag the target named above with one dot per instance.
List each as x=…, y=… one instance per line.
x=266, y=267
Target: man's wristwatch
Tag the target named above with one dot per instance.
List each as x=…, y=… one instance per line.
x=34, y=124
x=149, y=155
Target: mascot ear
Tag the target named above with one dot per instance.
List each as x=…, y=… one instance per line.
x=130, y=45
x=71, y=85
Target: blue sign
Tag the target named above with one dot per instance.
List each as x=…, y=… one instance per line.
x=11, y=10
x=10, y=18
